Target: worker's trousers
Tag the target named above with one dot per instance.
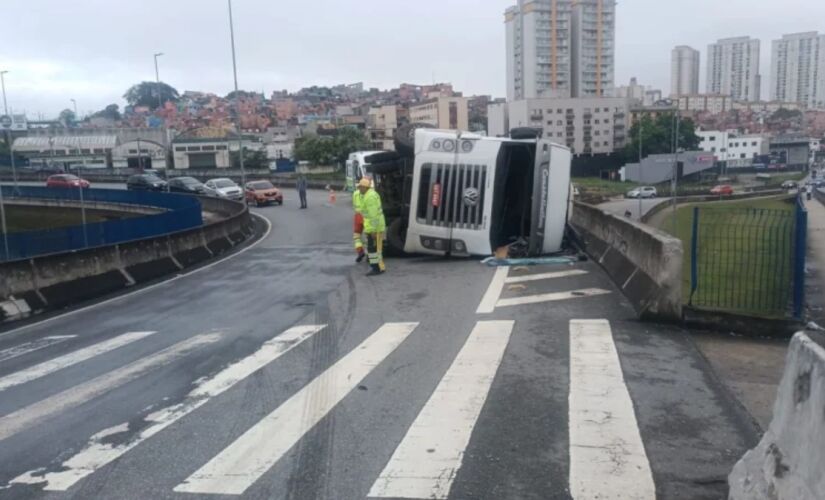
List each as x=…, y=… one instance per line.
x=357, y=231
x=375, y=250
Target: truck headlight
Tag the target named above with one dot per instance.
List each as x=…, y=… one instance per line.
x=448, y=145
x=467, y=146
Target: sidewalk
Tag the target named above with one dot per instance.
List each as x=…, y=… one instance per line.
x=815, y=275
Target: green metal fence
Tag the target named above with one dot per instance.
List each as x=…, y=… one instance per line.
x=748, y=260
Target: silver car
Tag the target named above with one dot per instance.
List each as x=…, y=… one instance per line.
x=643, y=192
x=225, y=188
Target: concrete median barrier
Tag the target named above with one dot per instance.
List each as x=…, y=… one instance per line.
x=789, y=461
x=29, y=286
x=645, y=263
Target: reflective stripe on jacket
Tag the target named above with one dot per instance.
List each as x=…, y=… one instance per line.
x=358, y=202
x=373, y=213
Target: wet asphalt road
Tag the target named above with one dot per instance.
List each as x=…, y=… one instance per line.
x=352, y=419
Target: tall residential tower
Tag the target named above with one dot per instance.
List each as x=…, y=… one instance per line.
x=798, y=69
x=684, y=71
x=560, y=48
x=733, y=68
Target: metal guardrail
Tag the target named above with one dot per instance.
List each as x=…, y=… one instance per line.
x=181, y=212
x=749, y=261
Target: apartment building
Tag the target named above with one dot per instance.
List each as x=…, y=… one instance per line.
x=585, y=125
x=732, y=147
x=733, y=68
x=711, y=103
x=442, y=112
x=798, y=69
x=382, y=122
x=684, y=71
x=641, y=94
x=560, y=48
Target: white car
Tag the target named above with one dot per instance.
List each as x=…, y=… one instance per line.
x=643, y=192
x=225, y=188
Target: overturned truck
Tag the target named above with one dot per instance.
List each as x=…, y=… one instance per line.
x=455, y=193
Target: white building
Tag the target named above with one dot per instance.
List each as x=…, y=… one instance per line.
x=684, y=71
x=498, y=119
x=642, y=94
x=712, y=103
x=798, y=69
x=382, y=121
x=733, y=68
x=560, y=48
x=731, y=147
x=596, y=125
x=443, y=112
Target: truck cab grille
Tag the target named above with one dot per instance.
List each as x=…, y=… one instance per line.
x=452, y=195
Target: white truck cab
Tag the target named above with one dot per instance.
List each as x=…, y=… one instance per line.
x=356, y=165
x=472, y=194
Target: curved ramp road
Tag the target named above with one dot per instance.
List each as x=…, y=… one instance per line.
x=284, y=372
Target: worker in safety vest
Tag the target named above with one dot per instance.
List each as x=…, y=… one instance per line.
x=374, y=226
x=358, y=225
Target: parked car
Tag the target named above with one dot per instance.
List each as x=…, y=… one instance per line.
x=262, y=193
x=66, y=181
x=722, y=190
x=145, y=182
x=819, y=183
x=789, y=185
x=225, y=188
x=189, y=185
x=643, y=192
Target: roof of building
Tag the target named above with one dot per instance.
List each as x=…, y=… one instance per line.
x=40, y=143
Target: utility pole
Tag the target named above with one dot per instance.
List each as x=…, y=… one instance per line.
x=76, y=117
x=157, y=79
x=8, y=138
x=674, y=184
x=641, y=124
x=237, y=110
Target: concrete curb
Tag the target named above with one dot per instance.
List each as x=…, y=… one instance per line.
x=31, y=286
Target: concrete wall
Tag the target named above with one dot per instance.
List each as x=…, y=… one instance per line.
x=34, y=285
x=789, y=461
x=645, y=263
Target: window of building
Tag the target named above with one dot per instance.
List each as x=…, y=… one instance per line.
x=220, y=148
x=180, y=148
x=133, y=151
x=560, y=123
x=99, y=151
x=753, y=143
x=559, y=134
x=742, y=156
x=607, y=120
x=606, y=143
x=712, y=138
x=713, y=149
x=597, y=133
x=559, y=111
x=193, y=148
x=597, y=122
x=209, y=148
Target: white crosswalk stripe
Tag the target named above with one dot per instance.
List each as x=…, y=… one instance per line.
x=25, y=417
x=550, y=297
x=70, y=359
x=425, y=463
x=35, y=345
x=545, y=276
x=98, y=453
x=607, y=457
x=250, y=456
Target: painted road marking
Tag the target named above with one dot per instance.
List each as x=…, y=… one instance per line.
x=250, y=456
x=428, y=458
x=607, y=456
x=550, y=297
x=30, y=415
x=488, y=302
x=545, y=276
x=35, y=345
x=97, y=453
x=70, y=359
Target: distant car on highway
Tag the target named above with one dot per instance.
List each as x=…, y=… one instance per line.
x=262, y=193
x=789, y=185
x=189, y=185
x=643, y=192
x=66, y=181
x=225, y=188
x=145, y=182
x=819, y=183
x=722, y=190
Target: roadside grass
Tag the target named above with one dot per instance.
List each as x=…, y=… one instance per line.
x=21, y=218
x=745, y=260
x=595, y=187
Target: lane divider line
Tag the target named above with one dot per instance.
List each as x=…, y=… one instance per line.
x=98, y=453
x=429, y=456
x=250, y=456
x=607, y=455
x=26, y=417
x=488, y=302
x=67, y=360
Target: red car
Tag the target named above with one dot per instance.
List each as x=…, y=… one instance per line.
x=66, y=181
x=722, y=190
x=263, y=193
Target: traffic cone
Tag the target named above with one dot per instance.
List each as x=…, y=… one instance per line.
x=332, y=197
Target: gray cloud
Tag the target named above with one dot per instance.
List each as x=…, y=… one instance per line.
x=92, y=50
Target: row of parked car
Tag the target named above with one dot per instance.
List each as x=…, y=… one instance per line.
x=650, y=191
x=254, y=192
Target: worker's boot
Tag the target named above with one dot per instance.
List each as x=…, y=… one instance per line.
x=375, y=270
x=361, y=256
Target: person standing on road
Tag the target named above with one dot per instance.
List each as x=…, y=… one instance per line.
x=374, y=226
x=358, y=224
x=810, y=190
x=302, y=190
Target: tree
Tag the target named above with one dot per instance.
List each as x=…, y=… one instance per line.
x=330, y=150
x=252, y=159
x=146, y=94
x=110, y=112
x=238, y=93
x=67, y=116
x=785, y=114
x=657, y=136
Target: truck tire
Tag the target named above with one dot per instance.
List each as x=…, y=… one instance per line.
x=385, y=167
x=405, y=138
x=525, y=133
x=395, y=239
x=382, y=157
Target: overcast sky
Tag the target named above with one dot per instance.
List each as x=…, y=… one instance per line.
x=93, y=50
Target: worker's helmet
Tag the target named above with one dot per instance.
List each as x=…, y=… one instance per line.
x=364, y=182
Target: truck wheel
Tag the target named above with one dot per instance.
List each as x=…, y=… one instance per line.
x=405, y=138
x=395, y=239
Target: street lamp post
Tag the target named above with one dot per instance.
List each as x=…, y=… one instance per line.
x=237, y=111
x=641, y=124
x=157, y=79
x=82, y=204
x=8, y=134
x=76, y=117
